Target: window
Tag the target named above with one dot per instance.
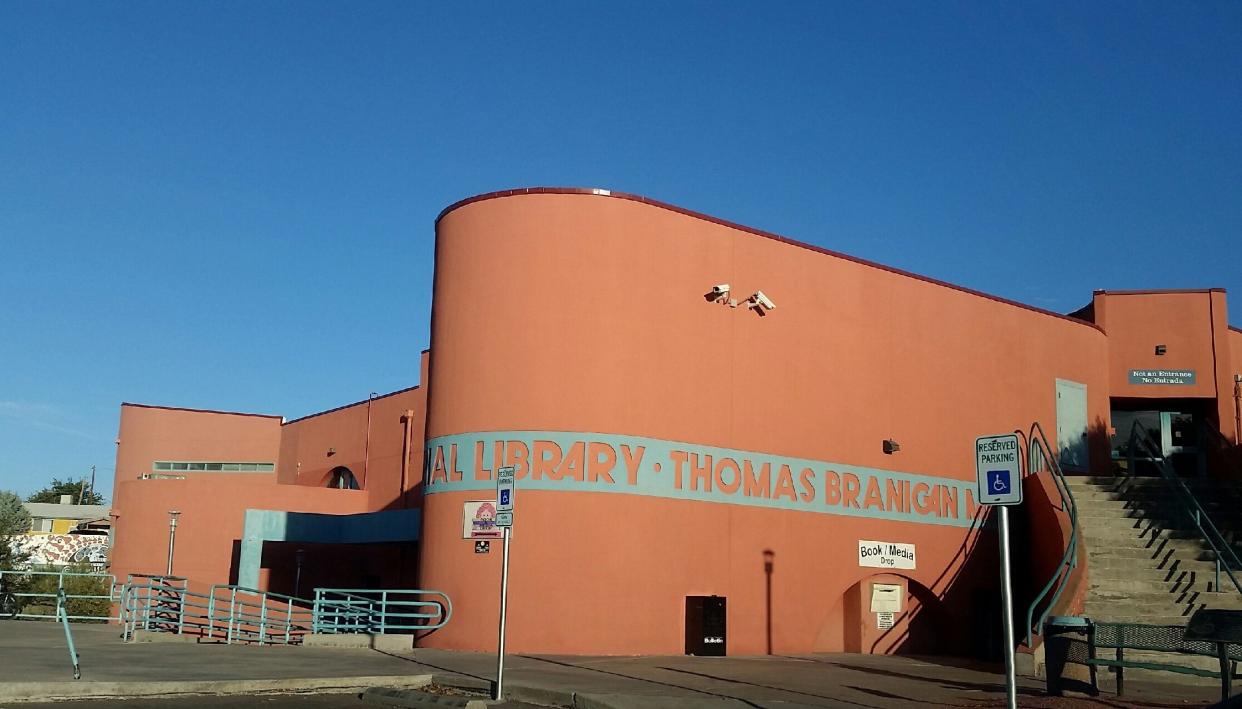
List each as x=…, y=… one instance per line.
x=342, y=479
x=215, y=467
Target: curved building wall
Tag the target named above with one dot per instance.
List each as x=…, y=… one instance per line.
x=574, y=331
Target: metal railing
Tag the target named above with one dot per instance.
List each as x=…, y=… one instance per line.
x=257, y=616
x=62, y=615
x=21, y=586
x=152, y=602
x=230, y=613
x=1223, y=551
x=1038, y=446
x=357, y=610
x=226, y=612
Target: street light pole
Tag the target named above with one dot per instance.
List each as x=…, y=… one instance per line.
x=299, y=555
x=172, y=538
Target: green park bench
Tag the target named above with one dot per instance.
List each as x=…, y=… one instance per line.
x=1201, y=637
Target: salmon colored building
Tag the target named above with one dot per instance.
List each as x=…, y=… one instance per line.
x=694, y=408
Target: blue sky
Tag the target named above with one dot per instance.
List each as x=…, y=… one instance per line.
x=230, y=204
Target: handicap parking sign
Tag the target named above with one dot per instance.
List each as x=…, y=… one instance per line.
x=998, y=482
x=998, y=463
x=504, y=497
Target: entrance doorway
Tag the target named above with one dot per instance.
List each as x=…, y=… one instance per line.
x=1145, y=438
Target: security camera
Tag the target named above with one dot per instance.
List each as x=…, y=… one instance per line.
x=720, y=289
x=760, y=299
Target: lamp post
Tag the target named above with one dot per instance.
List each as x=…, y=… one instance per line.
x=172, y=538
x=299, y=555
x=768, y=557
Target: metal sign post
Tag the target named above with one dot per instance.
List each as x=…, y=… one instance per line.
x=504, y=499
x=998, y=465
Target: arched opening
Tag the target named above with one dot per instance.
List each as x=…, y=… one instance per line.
x=921, y=624
x=342, y=478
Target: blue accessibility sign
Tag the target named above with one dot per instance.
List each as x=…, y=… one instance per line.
x=998, y=463
x=998, y=482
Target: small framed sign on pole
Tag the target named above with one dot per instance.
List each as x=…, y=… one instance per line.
x=504, y=519
x=998, y=468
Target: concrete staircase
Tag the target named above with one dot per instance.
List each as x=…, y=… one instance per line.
x=1147, y=562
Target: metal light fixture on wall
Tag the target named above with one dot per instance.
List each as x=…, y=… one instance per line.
x=1161, y=350
x=891, y=446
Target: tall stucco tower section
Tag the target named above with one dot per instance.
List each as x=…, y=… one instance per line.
x=563, y=311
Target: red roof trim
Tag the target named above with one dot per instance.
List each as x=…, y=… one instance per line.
x=198, y=411
x=356, y=403
x=756, y=232
x=1160, y=291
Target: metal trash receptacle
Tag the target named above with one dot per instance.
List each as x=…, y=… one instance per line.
x=1067, y=642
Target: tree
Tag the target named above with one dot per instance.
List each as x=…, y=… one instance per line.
x=14, y=523
x=59, y=487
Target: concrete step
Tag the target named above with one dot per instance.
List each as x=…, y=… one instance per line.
x=1180, y=584
x=1160, y=505
x=1160, y=554
x=1109, y=493
x=1165, y=563
x=1171, y=519
x=1078, y=481
x=1148, y=535
x=1122, y=616
x=1142, y=545
x=1162, y=597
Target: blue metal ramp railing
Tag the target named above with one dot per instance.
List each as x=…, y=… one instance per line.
x=361, y=610
x=1039, y=453
x=1223, y=550
x=30, y=590
x=228, y=613
x=62, y=615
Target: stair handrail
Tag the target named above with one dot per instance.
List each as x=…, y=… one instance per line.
x=1222, y=550
x=1069, y=559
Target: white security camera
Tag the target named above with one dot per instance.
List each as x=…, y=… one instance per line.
x=720, y=289
x=760, y=299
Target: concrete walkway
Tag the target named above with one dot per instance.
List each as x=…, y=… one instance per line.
x=34, y=664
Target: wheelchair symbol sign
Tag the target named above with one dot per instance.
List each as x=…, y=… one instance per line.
x=998, y=462
x=998, y=482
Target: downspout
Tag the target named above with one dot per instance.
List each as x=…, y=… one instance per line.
x=366, y=452
x=408, y=419
x=1237, y=409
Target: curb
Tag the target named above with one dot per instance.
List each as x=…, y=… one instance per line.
x=52, y=691
x=413, y=699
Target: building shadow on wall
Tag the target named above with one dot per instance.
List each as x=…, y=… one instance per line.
x=1099, y=447
x=946, y=617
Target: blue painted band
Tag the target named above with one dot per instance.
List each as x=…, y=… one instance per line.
x=610, y=463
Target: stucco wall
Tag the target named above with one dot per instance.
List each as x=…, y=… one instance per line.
x=213, y=510
x=150, y=433
x=376, y=464
x=563, y=312
x=1137, y=322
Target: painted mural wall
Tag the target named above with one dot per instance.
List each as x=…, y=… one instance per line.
x=64, y=549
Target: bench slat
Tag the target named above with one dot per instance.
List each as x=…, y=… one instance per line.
x=1126, y=664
